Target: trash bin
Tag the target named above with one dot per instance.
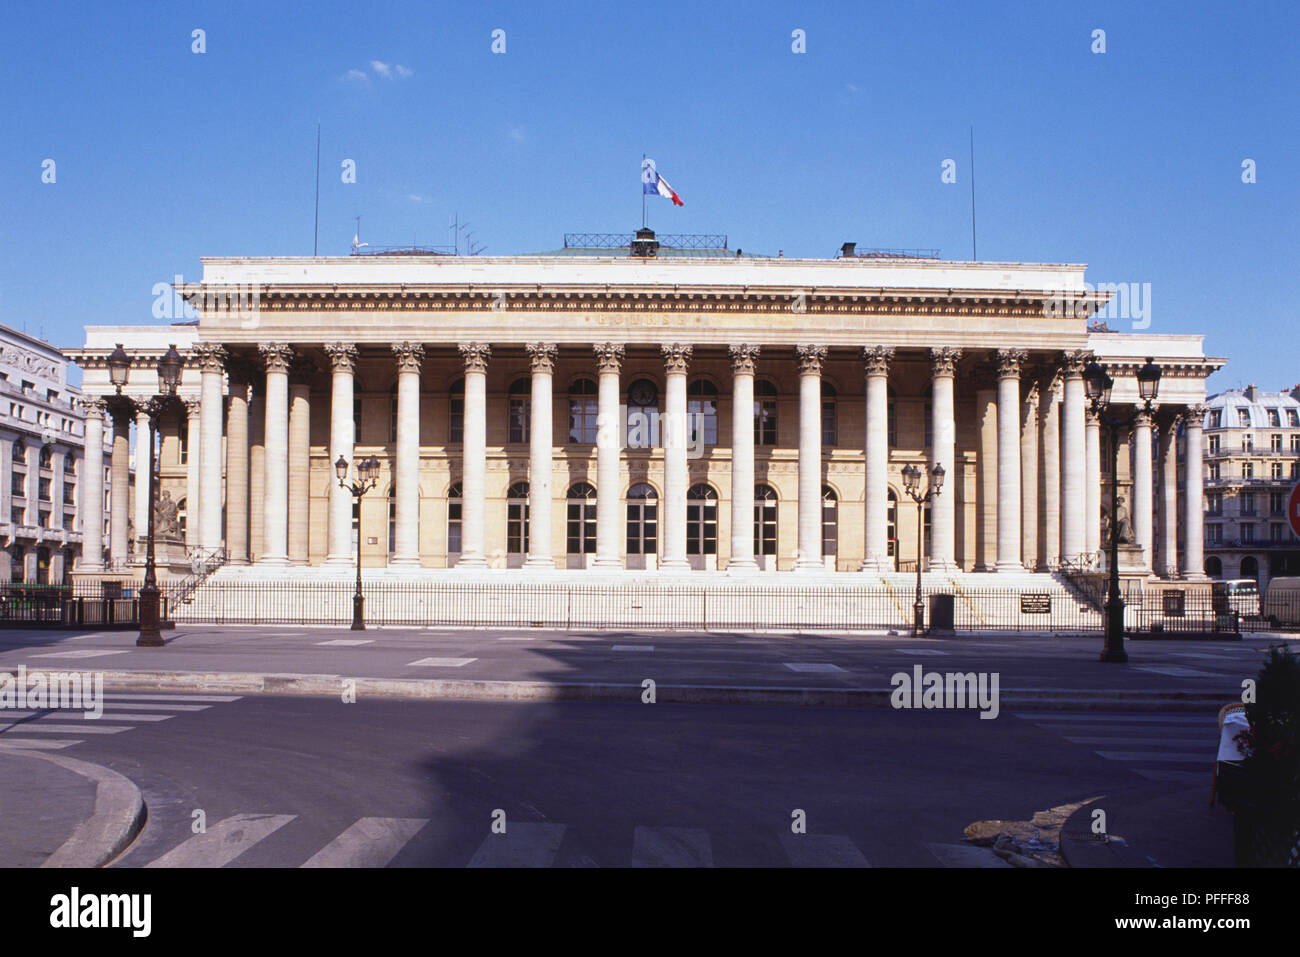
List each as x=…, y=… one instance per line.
x=942, y=612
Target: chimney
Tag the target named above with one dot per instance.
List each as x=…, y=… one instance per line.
x=847, y=250
x=1252, y=392
x=645, y=245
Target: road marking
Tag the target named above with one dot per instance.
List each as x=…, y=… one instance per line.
x=223, y=841
x=965, y=855
x=442, y=662
x=347, y=642
x=81, y=653
x=822, y=850
x=146, y=696
x=1121, y=739
x=522, y=845
x=1178, y=756
x=634, y=648
x=1178, y=777
x=45, y=726
x=1089, y=717
x=918, y=651
x=1178, y=671
x=819, y=667
x=671, y=847
x=150, y=706
x=370, y=842
x=38, y=744
x=117, y=716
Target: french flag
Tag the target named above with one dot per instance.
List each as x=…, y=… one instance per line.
x=652, y=184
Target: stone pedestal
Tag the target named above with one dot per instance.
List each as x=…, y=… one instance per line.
x=1132, y=562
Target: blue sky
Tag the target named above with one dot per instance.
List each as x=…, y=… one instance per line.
x=1129, y=160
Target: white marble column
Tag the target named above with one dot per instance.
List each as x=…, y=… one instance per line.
x=1169, y=500
x=1009, y=516
x=1049, y=487
x=141, y=482
x=237, y=498
x=986, y=534
x=211, y=361
x=119, y=479
x=406, y=475
x=541, y=356
x=90, y=491
x=193, y=455
x=275, y=494
x=1029, y=476
x=673, y=434
x=1193, y=503
x=343, y=361
x=943, y=451
x=609, y=444
x=1092, y=486
x=809, y=557
x=257, y=471
x=1073, y=465
x=744, y=362
x=299, y=464
x=1143, y=502
x=876, y=360
x=473, y=552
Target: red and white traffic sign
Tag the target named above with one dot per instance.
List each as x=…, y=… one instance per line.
x=1293, y=509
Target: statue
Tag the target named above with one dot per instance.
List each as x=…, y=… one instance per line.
x=166, y=518
x=1125, y=525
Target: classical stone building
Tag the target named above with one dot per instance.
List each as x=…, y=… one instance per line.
x=644, y=409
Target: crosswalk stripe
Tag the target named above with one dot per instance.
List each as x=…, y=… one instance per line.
x=1123, y=739
x=39, y=744
x=146, y=706
x=118, y=716
x=1091, y=716
x=46, y=726
x=522, y=845
x=671, y=847
x=1178, y=777
x=1194, y=757
x=150, y=696
x=81, y=653
x=370, y=842
x=965, y=855
x=822, y=850
x=224, y=841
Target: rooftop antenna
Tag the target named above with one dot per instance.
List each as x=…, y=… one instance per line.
x=356, y=238
x=643, y=193
x=315, y=233
x=973, y=254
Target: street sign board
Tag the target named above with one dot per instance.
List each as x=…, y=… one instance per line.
x=1035, y=603
x=1293, y=509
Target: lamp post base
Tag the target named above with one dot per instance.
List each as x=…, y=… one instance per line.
x=918, y=619
x=150, y=630
x=1113, y=649
x=358, y=613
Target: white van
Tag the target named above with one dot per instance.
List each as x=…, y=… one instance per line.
x=1236, y=594
x=1282, y=601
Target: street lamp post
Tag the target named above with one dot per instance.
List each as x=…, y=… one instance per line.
x=367, y=476
x=169, y=377
x=912, y=485
x=1098, y=385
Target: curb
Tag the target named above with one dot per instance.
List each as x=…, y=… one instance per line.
x=118, y=817
x=429, y=689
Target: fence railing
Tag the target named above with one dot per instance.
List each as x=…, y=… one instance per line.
x=66, y=606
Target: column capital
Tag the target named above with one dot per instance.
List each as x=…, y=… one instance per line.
x=1091, y=418
x=1073, y=361
x=810, y=359
x=1194, y=415
x=343, y=356
x=277, y=356
x=94, y=405
x=209, y=356
x=409, y=356
x=744, y=359
x=677, y=357
x=1009, y=362
x=541, y=356
x=609, y=356
x=943, y=361
x=877, y=359
x=476, y=355
x=1144, y=418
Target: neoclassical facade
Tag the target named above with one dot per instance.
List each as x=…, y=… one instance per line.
x=658, y=413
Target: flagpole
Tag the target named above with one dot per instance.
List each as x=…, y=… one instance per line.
x=643, y=192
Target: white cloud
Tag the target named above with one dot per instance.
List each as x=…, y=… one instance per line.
x=404, y=71
x=380, y=67
x=415, y=197
x=356, y=76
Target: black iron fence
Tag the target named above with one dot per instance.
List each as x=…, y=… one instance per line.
x=102, y=605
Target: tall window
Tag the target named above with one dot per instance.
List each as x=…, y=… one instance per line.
x=1212, y=471
x=392, y=520
x=1275, y=470
x=829, y=421
x=1214, y=444
x=581, y=531
x=456, y=413
x=47, y=457
x=519, y=411
x=1275, y=443
x=1214, y=503
x=891, y=528
x=1247, y=442
x=455, y=507
x=1274, y=419
x=1247, y=503
x=182, y=515
x=1275, y=505
x=19, y=454
x=183, y=433
x=764, y=412
x=702, y=409
x=583, y=407
x=701, y=520
x=764, y=520
x=642, y=414
x=642, y=520
x=1247, y=470
x=517, y=519
x=1243, y=418
x=830, y=522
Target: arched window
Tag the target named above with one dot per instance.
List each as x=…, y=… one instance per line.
x=1214, y=566
x=46, y=457
x=19, y=454
x=642, y=414
x=456, y=413
x=519, y=411
x=764, y=412
x=702, y=410
x=392, y=519
x=828, y=415
x=701, y=520
x=830, y=522
x=517, y=519
x=581, y=531
x=642, y=520
x=891, y=528
x=764, y=520
x=583, y=408
x=455, y=507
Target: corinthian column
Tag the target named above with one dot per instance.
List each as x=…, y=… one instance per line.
x=343, y=360
x=1169, y=499
x=1029, y=476
x=810, y=458
x=1073, y=466
x=1009, y=362
x=609, y=439
x=677, y=358
x=92, y=488
x=473, y=553
x=193, y=441
x=299, y=462
x=119, y=476
x=1194, y=514
x=275, y=527
x=1142, y=487
x=142, y=473
x=943, y=451
x=1049, y=488
x=1092, y=485
x=744, y=361
x=211, y=360
x=406, y=474
x=876, y=359
x=237, y=464
x=541, y=355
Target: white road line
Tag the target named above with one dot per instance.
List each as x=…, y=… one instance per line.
x=1177, y=757
x=45, y=726
x=818, y=667
x=918, y=651
x=118, y=716
x=1178, y=671
x=347, y=642
x=150, y=706
x=965, y=855
x=147, y=696
x=223, y=841
x=671, y=847
x=81, y=653
x=70, y=713
x=38, y=744
x=442, y=662
x=1178, y=777
x=522, y=845
x=822, y=850
x=1141, y=742
x=1084, y=717
x=516, y=638
x=633, y=648
x=370, y=842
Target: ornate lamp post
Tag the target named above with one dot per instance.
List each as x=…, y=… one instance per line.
x=1098, y=385
x=169, y=377
x=367, y=476
x=912, y=485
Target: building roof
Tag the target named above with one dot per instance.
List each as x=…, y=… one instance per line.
x=1255, y=401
